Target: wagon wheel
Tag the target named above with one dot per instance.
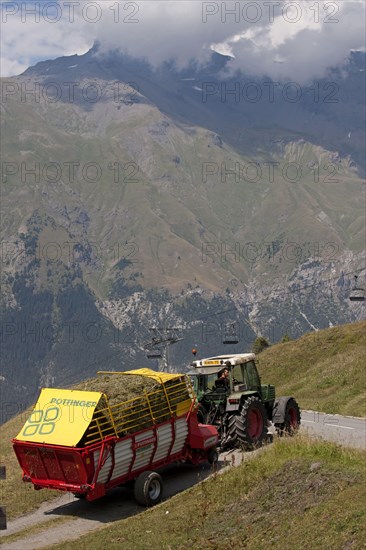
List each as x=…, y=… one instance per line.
x=148, y=489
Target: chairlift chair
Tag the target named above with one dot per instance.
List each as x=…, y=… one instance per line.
x=153, y=354
x=230, y=335
x=357, y=293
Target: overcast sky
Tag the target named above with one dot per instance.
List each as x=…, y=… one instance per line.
x=280, y=38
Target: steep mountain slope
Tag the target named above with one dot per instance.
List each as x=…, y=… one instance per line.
x=121, y=212
x=248, y=112
x=127, y=173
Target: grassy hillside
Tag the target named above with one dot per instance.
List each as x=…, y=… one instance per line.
x=324, y=370
x=297, y=494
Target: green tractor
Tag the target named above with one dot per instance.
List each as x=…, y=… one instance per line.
x=231, y=397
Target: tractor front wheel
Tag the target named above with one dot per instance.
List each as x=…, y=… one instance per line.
x=212, y=456
x=248, y=428
x=292, y=420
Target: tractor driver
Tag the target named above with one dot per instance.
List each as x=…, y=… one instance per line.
x=223, y=380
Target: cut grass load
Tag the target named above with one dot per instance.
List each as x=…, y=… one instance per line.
x=135, y=401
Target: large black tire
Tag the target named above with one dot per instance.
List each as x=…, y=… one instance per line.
x=148, y=489
x=292, y=419
x=248, y=429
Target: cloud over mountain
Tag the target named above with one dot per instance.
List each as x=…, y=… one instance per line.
x=282, y=39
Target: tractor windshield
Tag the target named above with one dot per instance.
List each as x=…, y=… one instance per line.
x=203, y=383
x=238, y=374
x=252, y=376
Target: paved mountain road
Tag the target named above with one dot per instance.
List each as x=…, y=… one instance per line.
x=345, y=430
x=81, y=517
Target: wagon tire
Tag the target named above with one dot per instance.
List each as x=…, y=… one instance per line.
x=148, y=489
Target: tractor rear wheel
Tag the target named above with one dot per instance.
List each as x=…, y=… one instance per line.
x=292, y=419
x=248, y=428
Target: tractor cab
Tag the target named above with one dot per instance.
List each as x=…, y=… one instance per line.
x=215, y=393
x=243, y=374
